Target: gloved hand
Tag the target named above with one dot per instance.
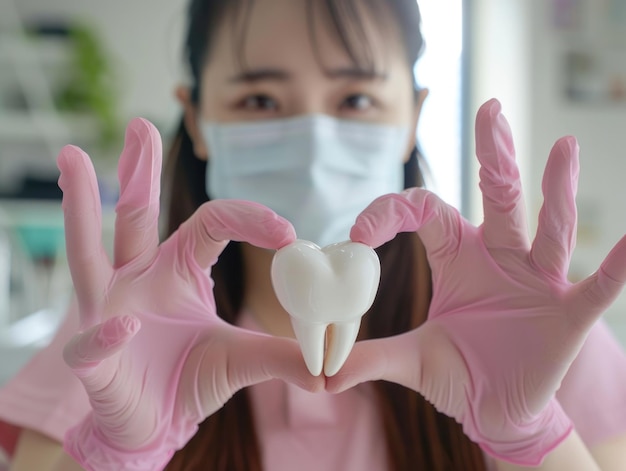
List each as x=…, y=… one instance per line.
x=152, y=354
x=504, y=323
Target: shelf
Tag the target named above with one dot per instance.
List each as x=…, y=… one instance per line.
x=49, y=212
x=40, y=60
x=44, y=51
x=20, y=126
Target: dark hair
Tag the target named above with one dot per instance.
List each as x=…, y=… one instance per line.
x=417, y=436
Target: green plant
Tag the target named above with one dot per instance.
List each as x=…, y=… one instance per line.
x=91, y=85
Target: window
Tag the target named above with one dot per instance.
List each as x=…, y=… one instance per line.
x=440, y=70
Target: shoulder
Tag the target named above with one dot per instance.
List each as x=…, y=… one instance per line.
x=44, y=395
x=593, y=392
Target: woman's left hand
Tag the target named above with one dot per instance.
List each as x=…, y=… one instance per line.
x=504, y=323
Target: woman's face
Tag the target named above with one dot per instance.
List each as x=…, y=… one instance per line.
x=286, y=75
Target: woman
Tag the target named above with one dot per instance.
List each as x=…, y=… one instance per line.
x=288, y=83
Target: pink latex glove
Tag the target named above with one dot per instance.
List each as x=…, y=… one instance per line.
x=504, y=323
x=152, y=354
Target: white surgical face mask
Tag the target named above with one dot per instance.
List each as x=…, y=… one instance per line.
x=316, y=171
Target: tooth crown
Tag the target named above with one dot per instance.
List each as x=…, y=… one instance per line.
x=334, y=286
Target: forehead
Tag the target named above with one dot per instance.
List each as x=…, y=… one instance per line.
x=277, y=33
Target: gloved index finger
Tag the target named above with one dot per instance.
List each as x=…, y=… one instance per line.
x=505, y=224
x=217, y=222
x=87, y=259
x=415, y=210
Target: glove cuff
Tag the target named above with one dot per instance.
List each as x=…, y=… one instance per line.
x=84, y=444
x=536, y=439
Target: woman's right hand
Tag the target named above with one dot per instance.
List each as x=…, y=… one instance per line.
x=152, y=354
x=504, y=323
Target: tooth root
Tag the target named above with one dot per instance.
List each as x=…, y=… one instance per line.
x=341, y=338
x=312, y=337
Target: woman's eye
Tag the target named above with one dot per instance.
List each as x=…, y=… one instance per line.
x=259, y=102
x=358, y=102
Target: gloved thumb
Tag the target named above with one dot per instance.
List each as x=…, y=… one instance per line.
x=393, y=359
x=251, y=358
x=424, y=360
x=86, y=353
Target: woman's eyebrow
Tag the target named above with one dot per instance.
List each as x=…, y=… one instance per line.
x=356, y=73
x=258, y=75
x=251, y=76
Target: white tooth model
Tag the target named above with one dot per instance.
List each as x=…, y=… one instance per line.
x=326, y=292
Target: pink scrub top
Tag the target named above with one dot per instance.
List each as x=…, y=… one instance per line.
x=299, y=429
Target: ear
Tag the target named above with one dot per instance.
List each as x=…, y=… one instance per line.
x=419, y=102
x=190, y=116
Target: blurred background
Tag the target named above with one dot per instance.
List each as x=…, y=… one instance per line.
x=71, y=72
x=76, y=71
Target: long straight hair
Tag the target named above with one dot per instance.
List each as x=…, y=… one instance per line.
x=417, y=436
